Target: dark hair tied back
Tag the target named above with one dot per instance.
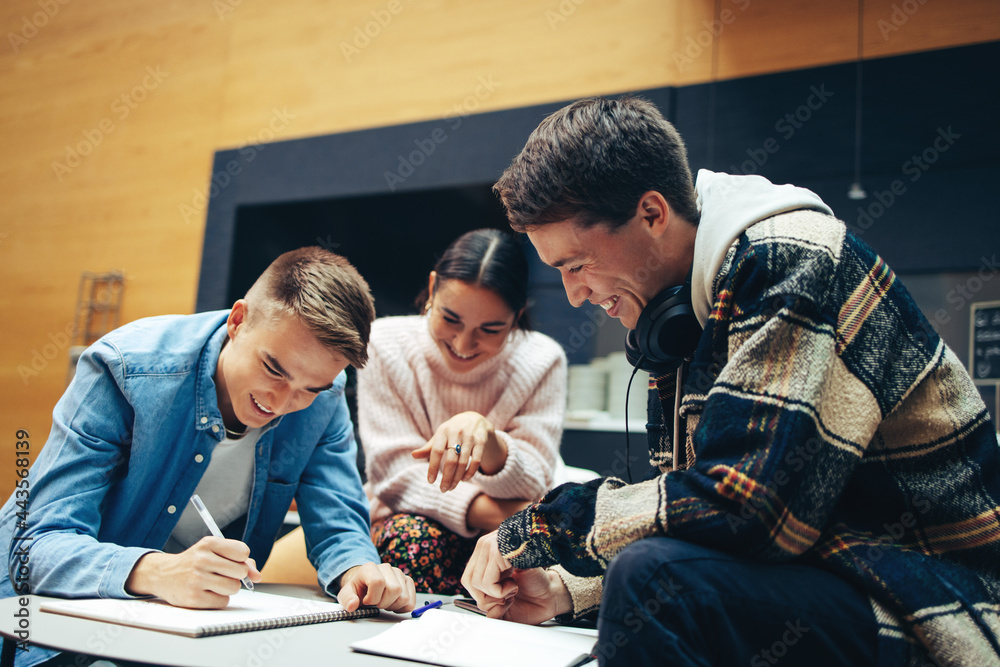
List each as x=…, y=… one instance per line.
x=487, y=258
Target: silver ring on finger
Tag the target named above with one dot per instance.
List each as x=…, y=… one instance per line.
x=458, y=448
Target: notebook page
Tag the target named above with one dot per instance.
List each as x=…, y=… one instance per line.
x=452, y=639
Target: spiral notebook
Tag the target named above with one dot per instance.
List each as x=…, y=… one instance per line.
x=247, y=611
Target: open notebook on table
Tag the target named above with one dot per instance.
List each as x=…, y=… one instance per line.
x=455, y=639
x=246, y=611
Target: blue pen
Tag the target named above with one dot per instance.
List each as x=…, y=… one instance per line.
x=214, y=529
x=418, y=612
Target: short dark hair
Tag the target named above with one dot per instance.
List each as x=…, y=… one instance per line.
x=593, y=160
x=487, y=258
x=325, y=292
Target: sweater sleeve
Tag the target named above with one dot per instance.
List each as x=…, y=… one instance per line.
x=392, y=423
x=778, y=433
x=533, y=435
x=585, y=592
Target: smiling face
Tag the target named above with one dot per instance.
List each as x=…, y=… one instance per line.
x=468, y=323
x=620, y=270
x=270, y=367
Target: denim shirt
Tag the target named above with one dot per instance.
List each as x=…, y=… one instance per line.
x=131, y=438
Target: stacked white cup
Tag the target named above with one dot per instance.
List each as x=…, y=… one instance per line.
x=587, y=390
x=619, y=372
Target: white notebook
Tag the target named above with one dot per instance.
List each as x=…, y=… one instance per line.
x=246, y=611
x=455, y=639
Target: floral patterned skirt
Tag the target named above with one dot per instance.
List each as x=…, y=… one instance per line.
x=432, y=555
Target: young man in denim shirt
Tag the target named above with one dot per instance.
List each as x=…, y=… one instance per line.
x=244, y=407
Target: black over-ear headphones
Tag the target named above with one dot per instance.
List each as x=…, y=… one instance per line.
x=667, y=331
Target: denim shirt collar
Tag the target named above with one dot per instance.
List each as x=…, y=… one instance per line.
x=206, y=409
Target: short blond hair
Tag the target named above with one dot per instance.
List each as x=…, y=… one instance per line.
x=325, y=292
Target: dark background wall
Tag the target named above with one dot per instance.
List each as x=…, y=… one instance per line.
x=928, y=156
x=391, y=198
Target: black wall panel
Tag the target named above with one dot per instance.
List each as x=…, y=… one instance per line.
x=390, y=198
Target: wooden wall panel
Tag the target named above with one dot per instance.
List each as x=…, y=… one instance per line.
x=893, y=27
x=265, y=71
x=764, y=37
x=792, y=34
x=430, y=57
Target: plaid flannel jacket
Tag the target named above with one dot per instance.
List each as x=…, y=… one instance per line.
x=825, y=422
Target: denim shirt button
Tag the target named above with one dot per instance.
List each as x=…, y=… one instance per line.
x=199, y=458
x=171, y=509
x=215, y=428
x=204, y=420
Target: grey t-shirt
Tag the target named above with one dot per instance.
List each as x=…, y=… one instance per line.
x=224, y=488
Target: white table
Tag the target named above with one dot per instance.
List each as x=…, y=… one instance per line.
x=318, y=644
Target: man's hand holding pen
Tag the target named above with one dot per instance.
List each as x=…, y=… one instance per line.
x=203, y=576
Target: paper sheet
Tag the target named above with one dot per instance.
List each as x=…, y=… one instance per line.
x=455, y=639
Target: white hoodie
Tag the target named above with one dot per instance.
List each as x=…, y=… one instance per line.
x=729, y=205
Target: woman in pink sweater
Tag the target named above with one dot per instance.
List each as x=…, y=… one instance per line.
x=460, y=412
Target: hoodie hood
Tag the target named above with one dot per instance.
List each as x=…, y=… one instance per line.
x=729, y=205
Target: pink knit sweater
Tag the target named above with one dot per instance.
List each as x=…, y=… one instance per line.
x=405, y=392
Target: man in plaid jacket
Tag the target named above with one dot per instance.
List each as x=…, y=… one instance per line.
x=835, y=494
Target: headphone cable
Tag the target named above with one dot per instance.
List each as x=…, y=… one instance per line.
x=628, y=388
